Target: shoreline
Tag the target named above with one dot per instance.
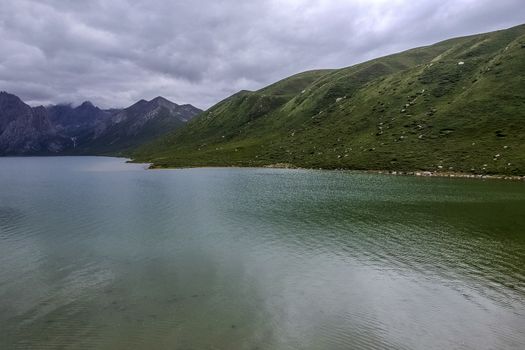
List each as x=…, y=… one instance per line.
x=419, y=173
x=458, y=175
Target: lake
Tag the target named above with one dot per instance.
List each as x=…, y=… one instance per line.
x=99, y=254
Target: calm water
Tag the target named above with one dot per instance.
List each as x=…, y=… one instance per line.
x=99, y=254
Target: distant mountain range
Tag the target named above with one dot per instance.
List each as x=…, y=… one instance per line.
x=85, y=129
x=458, y=105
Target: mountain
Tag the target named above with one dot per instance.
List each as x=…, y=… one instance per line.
x=82, y=124
x=26, y=130
x=458, y=105
x=138, y=124
x=85, y=129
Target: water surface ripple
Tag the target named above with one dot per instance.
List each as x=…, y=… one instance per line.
x=99, y=254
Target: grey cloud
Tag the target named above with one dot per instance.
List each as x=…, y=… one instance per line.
x=116, y=52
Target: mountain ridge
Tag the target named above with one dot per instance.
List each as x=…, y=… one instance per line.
x=85, y=129
x=141, y=122
x=24, y=129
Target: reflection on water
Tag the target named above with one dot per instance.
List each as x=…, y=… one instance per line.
x=99, y=254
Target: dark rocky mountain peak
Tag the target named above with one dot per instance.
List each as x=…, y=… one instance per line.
x=26, y=130
x=159, y=100
x=4, y=95
x=10, y=103
x=145, y=121
x=85, y=129
x=86, y=104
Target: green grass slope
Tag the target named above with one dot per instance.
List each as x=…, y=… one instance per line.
x=458, y=105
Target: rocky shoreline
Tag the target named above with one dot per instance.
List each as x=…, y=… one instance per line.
x=453, y=175
x=447, y=174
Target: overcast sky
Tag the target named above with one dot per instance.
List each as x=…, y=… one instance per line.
x=115, y=52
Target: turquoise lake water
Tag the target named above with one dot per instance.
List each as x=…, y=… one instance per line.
x=99, y=254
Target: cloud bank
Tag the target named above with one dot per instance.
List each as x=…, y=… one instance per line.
x=201, y=51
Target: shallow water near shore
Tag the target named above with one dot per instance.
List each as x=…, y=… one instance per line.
x=99, y=254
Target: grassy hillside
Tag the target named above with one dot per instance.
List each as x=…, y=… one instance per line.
x=457, y=105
